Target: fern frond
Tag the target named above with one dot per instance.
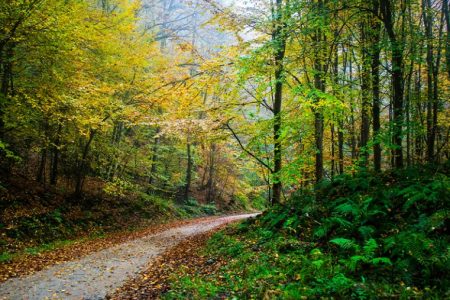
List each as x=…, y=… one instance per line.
x=370, y=247
x=354, y=261
x=344, y=243
x=381, y=261
x=366, y=231
x=347, y=208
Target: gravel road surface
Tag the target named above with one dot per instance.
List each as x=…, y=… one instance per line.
x=96, y=274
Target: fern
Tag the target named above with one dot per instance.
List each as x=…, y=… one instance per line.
x=344, y=243
x=348, y=208
x=340, y=221
x=381, y=260
x=366, y=231
x=321, y=231
x=413, y=198
x=354, y=262
x=329, y=223
x=370, y=247
x=278, y=219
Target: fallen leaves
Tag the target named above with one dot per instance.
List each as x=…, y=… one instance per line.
x=26, y=264
x=183, y=259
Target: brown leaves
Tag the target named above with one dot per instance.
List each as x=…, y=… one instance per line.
x=183, y=259
x=26, y=264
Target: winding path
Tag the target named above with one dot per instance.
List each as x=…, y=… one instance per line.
x=92, y=276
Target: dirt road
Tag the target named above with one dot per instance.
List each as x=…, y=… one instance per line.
x=92, y=276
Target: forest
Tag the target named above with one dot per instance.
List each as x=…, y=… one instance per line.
x=325, y=124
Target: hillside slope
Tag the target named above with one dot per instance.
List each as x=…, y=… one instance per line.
x=364, y=236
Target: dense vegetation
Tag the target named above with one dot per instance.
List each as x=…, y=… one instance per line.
x=364, y=237
x=114, y=112
x=90, y=96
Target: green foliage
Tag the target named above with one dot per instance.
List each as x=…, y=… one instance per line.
x=357, y=237
x=8, y=153
x=193, y=208
x=48, y=247
x=118, y=187
x=344, y=243
x=5, y=256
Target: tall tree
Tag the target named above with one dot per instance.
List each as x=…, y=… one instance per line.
x=375, y=75
x=279, y=44
x=387, y=10
x=319, y=70
x=365, y=92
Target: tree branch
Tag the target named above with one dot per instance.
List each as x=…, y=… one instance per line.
x=246, y=150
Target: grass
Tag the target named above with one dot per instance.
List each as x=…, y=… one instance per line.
x=48, y=247
x=6, y=256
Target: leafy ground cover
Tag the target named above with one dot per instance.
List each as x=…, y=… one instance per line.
x=364, y=236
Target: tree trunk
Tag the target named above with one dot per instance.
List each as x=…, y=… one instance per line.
x=418, y=115
x=55, y=158
x=318, y=135
x=447, y=43
x=6, y=82
x=210, y=183
x=341, y=122
x=333, y=129
x=81, y=172
x=151, y=178
x=41, y=170
x=352, y=117
x=341, y=151
x=436, y=89
x=397, y=82
x=376, y=111
x=115, y=140
x=408, y=115
x=319, y=84
x=280, y=47
x=332, y=150
x=428, y=23
x=375, y=69
x=365, y=103
x=187, y=186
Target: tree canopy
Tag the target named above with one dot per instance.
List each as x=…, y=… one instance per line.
x=220, y=102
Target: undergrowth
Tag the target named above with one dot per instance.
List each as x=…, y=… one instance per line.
x=42, y=225
x=366, y=236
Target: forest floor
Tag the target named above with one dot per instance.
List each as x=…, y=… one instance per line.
x=95, y=275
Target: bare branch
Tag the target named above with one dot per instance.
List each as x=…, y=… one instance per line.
x=246, y=150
